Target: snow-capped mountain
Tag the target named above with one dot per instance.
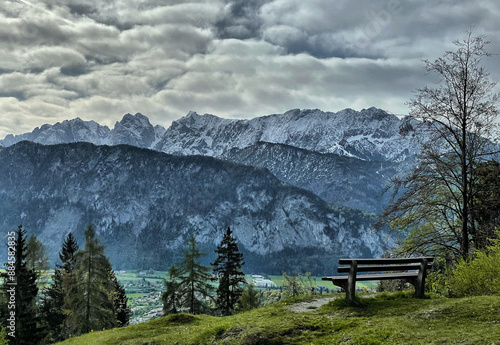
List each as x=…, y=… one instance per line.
x=68, y=131
x=371, y=134
x=135, y=130
x=145, y=204
x=346, y=158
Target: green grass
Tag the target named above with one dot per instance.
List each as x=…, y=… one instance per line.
x=386, y=319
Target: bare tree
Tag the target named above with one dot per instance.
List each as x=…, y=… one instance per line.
x=436, y=201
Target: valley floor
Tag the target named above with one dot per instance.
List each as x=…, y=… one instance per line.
x=381, y=319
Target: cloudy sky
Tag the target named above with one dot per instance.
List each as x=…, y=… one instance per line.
x=100, y=59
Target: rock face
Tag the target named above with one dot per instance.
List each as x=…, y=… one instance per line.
x=340, y=180
x=145, y=204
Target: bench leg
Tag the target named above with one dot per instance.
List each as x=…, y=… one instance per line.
x=420, y=282
x=350, y=291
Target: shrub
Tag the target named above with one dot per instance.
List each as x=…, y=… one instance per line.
x=3, y=336
x=297, y=285
x=478, y=276
x=392, y=285
x=436, y=283
x=270, y=296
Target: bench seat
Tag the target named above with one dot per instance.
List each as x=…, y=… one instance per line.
x=370, y=277
x=418, y=267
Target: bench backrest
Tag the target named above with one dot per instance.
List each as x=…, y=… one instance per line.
x=388, y=264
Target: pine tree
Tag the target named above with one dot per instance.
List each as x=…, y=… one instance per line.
x=89, y=303
x=486, y=204
x=53, y=305
x=193, y=288
x=24, y=292
x=171, y=296
x=227, y=268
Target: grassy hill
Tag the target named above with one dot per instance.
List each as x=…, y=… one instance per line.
x=384, y=319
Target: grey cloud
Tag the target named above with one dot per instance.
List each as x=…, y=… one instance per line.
x=47, y=57
x=74, y=70
x=125, y=15
x=240, y=19
x=363, y=28
x=19, y=95
x=82, y=9
x=102, y=58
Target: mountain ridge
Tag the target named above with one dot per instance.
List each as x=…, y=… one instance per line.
x=144, y=222
x=371, y=134
x=133, y=130
x=340, y=180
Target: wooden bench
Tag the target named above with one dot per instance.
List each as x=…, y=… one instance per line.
x=418, y=265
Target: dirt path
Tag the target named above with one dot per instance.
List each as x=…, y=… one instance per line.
x=303, y=307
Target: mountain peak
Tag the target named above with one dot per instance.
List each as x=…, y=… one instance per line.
x=295, y=114
x=193, y=115
x=374, y=111
x=138, y=119
x=135, y=130
x=193, y=120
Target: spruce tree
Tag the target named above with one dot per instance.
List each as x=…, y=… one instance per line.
x=67, y=254
x=227, y=268
x=22, y=287
x=53, y=305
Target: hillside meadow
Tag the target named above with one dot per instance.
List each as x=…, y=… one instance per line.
x=385, y=318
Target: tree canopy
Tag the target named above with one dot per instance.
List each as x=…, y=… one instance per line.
x=436, y=202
